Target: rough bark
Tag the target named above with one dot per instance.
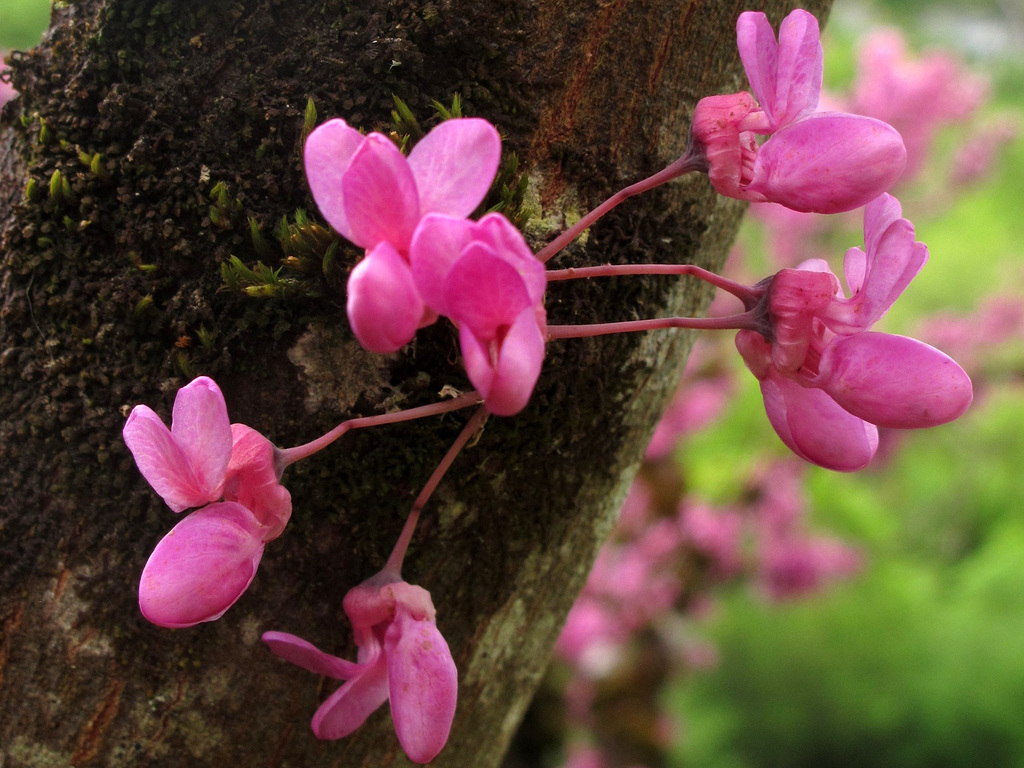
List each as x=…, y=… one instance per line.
x=111, y=296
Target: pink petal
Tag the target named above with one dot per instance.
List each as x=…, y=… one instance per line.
x=384, y=307
x=304, y=654
x=476, y=357
x=202, y=566
x=756, y=353
x=484, y=291
x=759, y=53
x=380, y=197
x=436, y=244
x=252, y=481
x=163, y=462
x=454, y=166
x=423, y=684
x=327, y=154
x=828, y=162
x=509, y=244
x=800, y=68
x=520, y=357
x=200, y=425
x=855, y=269
x=815, y=427
x=349, y=706
x=893, y=259
x=894, y=381
x=879, y=215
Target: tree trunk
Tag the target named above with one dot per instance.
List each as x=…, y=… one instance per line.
x=147, y=133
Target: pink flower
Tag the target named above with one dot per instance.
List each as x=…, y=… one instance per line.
x=205, y=563
x=484, y=277
x=794, y=566
x=402, y=658
x=825, y=380
x=375, y=197
x=826, y=162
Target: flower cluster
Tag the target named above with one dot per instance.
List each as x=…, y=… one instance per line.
x=824, y=162
x=828, y=381
x=424, y=258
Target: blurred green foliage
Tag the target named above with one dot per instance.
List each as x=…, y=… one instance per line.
x=919, y=663
x=22, y=23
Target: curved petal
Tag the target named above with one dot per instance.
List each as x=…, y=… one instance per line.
x=349, y=706
x=384, y=308
x=423, y=684
x=892, y=260
x=202, y=566
x=510, y=245
x=756, y=353
x=454, y=165
x=520, y=357
x=894, y=381
x=484, y=291
x=855, y=269
x=759, y=53
x=200, y=425
x=800, y=68
x=252, y=481
x=380, y=197
x=476, y=357
x=436, y=244
x=326, y=155
x=163, y=462
x=304, y=654
x=815, y=427
x=829, y=162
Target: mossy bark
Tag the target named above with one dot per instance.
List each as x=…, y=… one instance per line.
x=113, y=232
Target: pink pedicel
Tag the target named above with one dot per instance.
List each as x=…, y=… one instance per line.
x=828, y=383
x=371, y=194
x=484, y=278
x=825, y=162
x=229, y=471
x=401, y=658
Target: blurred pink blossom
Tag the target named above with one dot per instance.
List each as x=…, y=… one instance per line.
x=793, y=566
x=696, y=404
x=716, y=534
x=976, y=156
x=914, y=95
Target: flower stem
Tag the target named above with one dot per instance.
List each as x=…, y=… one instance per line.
x=394, y=564
x=287, y=456
x=685, y=164
x=748, y=294
x=743, y=321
